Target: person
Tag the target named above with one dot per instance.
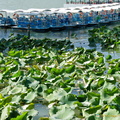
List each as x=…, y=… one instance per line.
x=98, y=18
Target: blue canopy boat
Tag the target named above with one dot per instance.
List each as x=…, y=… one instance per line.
x=5, y=19
x=82, y=14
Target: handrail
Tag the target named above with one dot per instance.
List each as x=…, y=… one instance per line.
x=91, y=1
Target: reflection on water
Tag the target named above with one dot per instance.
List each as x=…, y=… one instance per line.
x=42, y=111
x=79, y=37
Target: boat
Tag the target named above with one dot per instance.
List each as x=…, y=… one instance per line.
x=5, y=20
x=87, y=3
x=56, y=19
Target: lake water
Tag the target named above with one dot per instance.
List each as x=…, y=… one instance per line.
x=26, y=4
x=81, y=39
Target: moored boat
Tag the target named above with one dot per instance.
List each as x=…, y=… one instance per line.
x=5, y=19
x=42, y=20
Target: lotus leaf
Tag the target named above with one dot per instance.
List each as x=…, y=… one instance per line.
x=111, y=114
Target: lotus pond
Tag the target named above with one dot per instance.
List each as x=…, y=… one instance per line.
x=73, y=82
x=78, y=36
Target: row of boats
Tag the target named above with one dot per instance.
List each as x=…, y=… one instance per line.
x=91, y=1
x=60, y=18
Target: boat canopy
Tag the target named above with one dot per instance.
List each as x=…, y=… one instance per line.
x=28, y=14
x=34, y=11
x=8, y=11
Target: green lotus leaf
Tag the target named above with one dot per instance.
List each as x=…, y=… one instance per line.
x=16, y=99
x=23, y=116
x=79, y=104
x=56, y=95
x=68, y=89
x=5, y=112
x=32, y=112
x=94, y=101
x=1, y=60
x=6, y=90
x=93, y=94
x=1, y=96
x=49, y=91
x=30, y=106
x=112, y=46
x=17, y=74
x=111, y=71
x=1, y=76
x=92, y=117
x=22, y=62
x=92, y=110
x=100, y=60
x=91, y=64
x=41, y=88
x=117, y=100
x=93, y=85
x=69, y=99
x=111, y=114
x=112, y=91
x=81, y=86
x=14, y=53
x=30, y=82
x=30, y=96
x=57, y=71
x=11, y=69
x=18, y=89
x=62, y=112
x=100, y=82
x=62, y=85
x=117, y=66
x=117, y=76
x=37, y=77
x=108, y=92
x=70, y=69
x=108, y=57
x=82, y=98
x=89, y=84
x=99, y=73
x=87, y=62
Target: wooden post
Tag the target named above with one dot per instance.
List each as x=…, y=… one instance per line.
x=29, y=31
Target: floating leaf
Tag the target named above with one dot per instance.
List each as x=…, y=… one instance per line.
x=111, y=114
x=100, y=60
x=111, y=71
x=57, y=71
x=1, y=76
x=81, y=98
x=108, y=57
x=18, y=89
x=30, y=96
x=17, y=74
x=21, y=117
x=62, y=112
x=16, y=99
x=93, y=110
x=1, y=97
x=5, y=112
x=69, y=99
x=70, y=69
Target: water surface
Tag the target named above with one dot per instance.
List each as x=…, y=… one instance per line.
x=79, y=40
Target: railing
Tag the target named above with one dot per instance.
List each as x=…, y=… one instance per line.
x=91, y=1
